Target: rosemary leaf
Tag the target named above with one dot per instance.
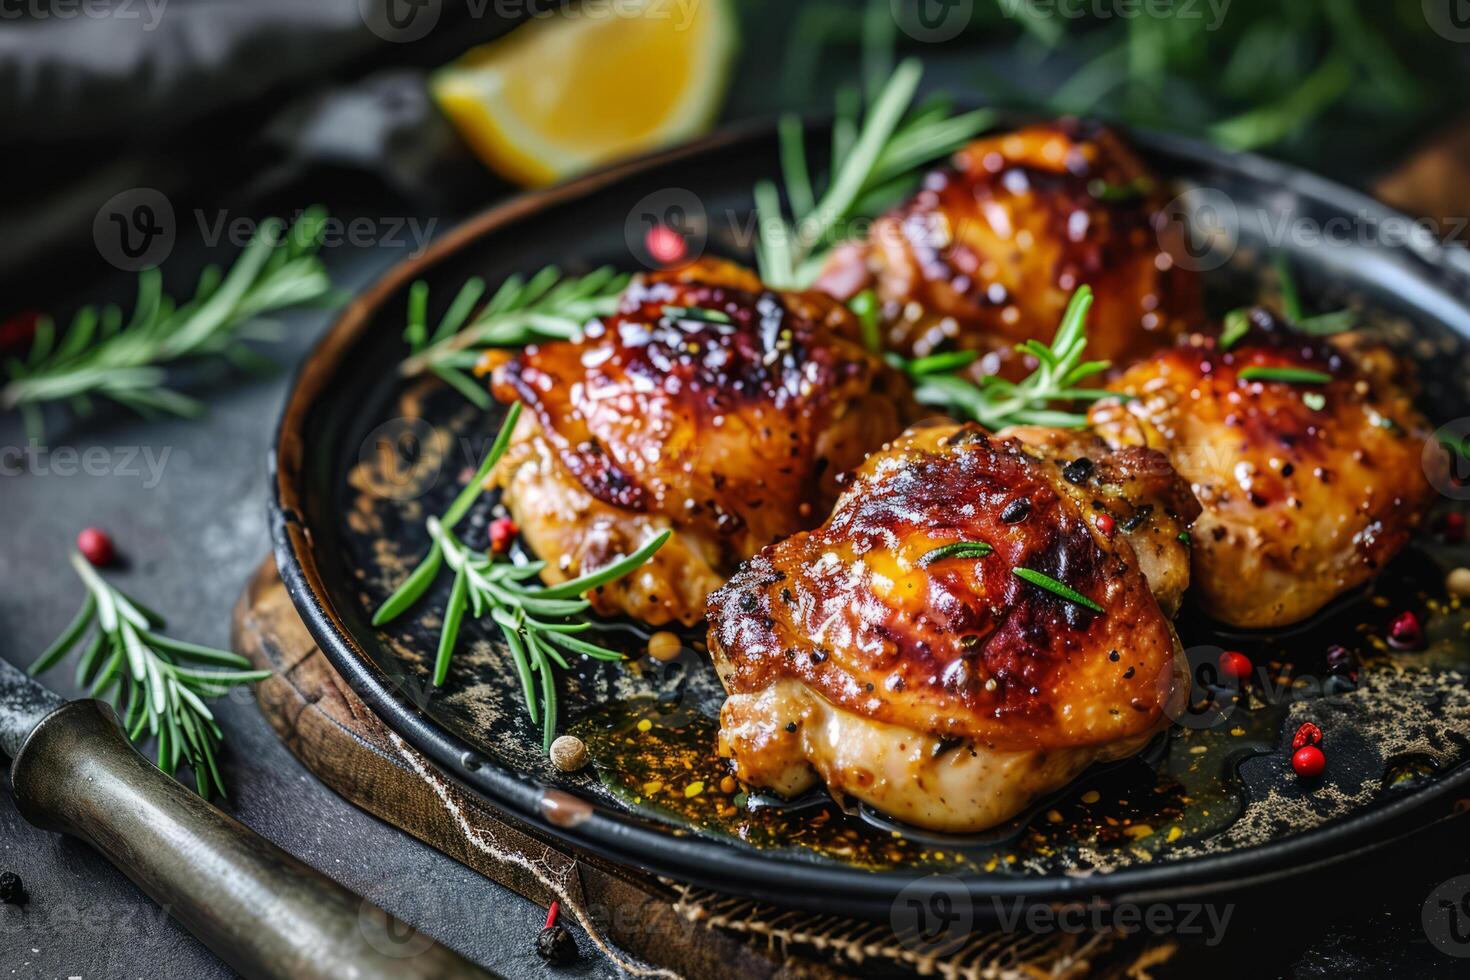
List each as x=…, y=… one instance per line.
x=412, y=588
x=959, y=549
x=1287, y=374
x=616, y=570
x=453, y=615
x=1058, y=588
x=67, y=639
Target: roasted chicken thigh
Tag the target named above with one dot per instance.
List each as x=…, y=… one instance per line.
x=987, y=253
x=706, y=404
x=1305, y=455
x=895, y=652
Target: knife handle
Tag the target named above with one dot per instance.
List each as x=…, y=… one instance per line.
x=262, y=911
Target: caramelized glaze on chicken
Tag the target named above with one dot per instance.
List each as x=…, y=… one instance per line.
x=988, y=252
x=1308, y=488
x=948, y=691
x=706, y=404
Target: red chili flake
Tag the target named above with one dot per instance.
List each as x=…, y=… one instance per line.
x=551, y=915
x=666, y=245
x=502, y=532
x=1105, y=524
x=1405, y=633
x=95, y=546
x=1308, y=761
x=1236, y=665
x=1308, y=734
x=1452, y=527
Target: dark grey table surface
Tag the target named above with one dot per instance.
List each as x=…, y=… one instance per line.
x=192, y=526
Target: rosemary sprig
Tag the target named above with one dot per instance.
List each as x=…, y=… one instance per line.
x=1102, y=190
x=548, y=306
x=151, y=678
x=100, y=356
x=995, y=402
x=537, y=621
x=870, y=166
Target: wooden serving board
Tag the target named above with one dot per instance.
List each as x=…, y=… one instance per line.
x=674, y=929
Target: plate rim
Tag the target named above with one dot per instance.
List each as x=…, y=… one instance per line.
x=709, y=861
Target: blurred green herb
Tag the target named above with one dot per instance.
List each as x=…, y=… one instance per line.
x=1237, y=325
x=153, y=680
x=1336, y=84
x=1319, y=325
x=548, y=306
x=98, y=356
x=538, y=622
x=1237, y=322
x=874, y=162
x=865, y=307
x=1303, y=376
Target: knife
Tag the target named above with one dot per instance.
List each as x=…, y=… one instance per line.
x=262, y=911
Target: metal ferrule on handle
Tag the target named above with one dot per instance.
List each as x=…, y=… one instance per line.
x=261, y=910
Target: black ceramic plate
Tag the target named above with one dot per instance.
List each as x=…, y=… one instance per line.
x=363, y=457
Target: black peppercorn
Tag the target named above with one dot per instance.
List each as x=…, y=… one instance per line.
x=12, y=889
x=1015, y=512
x=1342, y=671
x=1340, y=660
x=1078, y=471
x=556, y=945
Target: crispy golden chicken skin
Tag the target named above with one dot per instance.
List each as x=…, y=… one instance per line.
x=987, y=253
x=1308, y=489
x=944, y=689
x=706, y=404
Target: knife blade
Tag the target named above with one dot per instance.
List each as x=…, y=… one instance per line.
x=262, y=911
x=23, y=703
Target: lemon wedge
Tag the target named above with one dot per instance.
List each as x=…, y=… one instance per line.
x=562, y=94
